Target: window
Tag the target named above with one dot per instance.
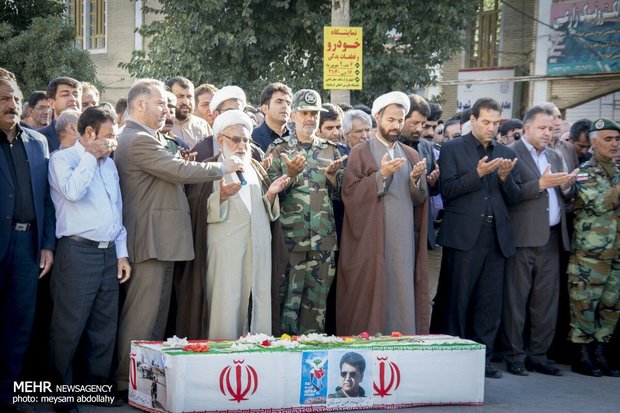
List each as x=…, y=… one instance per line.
x=89, y=19
x=483, y=36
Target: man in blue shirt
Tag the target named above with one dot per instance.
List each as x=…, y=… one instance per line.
x=92, y=254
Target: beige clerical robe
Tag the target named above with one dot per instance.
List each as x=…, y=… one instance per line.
x=239, y=261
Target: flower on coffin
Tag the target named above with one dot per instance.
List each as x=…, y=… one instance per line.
x=349, y=339
x=285, y=344
x=241, y=346
x=265, y=343
x=285, y=337
x=255, y=339
x=365, y=335
x=396, y=334
x=197, y=347
x=175, y=342
x=319, y=339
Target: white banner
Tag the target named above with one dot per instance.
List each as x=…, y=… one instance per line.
x=502, y=92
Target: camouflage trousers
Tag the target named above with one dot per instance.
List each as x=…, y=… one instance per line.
x=303, y=293
x=594, y=291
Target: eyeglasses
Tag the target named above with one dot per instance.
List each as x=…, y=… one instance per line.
x=456, y=135
x=237, y=139
x=352, y=374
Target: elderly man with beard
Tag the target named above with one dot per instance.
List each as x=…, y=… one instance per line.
x=382, y=280
x=187, y=127
x=238, y=287
x=189, y=279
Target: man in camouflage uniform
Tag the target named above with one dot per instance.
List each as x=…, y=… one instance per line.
x=306, y=214
x=594, y=267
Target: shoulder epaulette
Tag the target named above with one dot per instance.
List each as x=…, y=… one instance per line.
x=280, y=140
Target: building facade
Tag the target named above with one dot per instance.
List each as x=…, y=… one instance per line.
x=565, y=52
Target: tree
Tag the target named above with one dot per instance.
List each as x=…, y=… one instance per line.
x=42, y=52
x=20, y=13
x=252, y=42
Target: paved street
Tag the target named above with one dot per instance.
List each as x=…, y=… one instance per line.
x=537, y=393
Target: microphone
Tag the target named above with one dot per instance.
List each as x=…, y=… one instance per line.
x=241, y=177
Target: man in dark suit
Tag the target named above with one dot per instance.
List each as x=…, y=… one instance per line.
x=478, y=179
x=155, y=215
x=62, y=93
x=26, y=234
x=532, y=281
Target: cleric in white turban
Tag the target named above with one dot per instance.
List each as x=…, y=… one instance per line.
x=384, y=193
x=239, y=237
x=229, y=118
x=227, y=93
x=392, y=98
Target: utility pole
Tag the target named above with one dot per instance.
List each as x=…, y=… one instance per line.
x=340, y=18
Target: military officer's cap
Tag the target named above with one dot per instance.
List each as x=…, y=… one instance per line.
x=604, y=124
x=307, y=100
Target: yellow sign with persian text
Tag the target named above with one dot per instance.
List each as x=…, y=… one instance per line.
x=342, y=58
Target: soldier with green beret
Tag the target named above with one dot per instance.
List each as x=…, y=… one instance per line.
x=594, y=267
x=306, y=215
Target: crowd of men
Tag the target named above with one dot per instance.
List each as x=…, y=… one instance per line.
x=219, y=219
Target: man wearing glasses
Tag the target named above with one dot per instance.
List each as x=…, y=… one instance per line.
x=452, y=129
x=239, y=211
x=352, y=366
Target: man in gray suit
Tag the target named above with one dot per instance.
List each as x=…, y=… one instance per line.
x=155, y=214
x=531, y=286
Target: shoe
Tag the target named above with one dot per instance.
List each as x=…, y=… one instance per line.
x=583, y=363
x=601, y=361
x=517, y=368
x=545, y=368
x=491, y=372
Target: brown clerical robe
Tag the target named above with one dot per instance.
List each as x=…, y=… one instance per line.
x=361, y=303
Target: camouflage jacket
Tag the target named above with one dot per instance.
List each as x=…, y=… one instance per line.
x=597, y=211
x=306, y=210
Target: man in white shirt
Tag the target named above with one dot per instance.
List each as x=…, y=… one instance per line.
x=91, y=251
x=531, y=286
x=188, y=127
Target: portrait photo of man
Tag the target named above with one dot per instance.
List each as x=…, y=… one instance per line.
x=352, y=367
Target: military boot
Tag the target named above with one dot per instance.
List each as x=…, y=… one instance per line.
x=583, y=362
x=601, y=361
